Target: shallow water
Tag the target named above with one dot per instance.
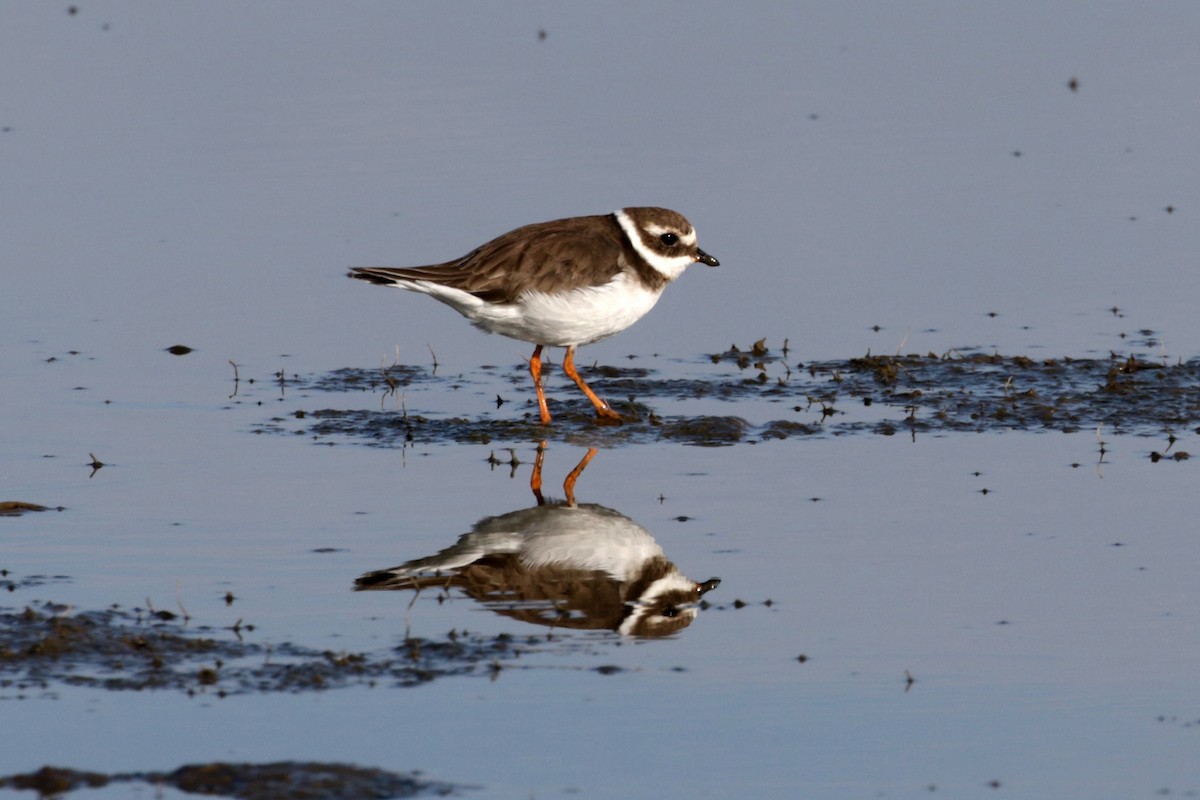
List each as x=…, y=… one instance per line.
x=1006, y=608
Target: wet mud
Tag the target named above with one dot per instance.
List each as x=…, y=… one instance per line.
x=45, y=646
x=119, y=649
x=273, y=781
x=960, y=391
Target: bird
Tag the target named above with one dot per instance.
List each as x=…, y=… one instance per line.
x=563, y=283
x=561, y=564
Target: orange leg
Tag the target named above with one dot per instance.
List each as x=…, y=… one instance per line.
x=535, y=481
x=602, y=408
x=535, y=369
x=569, y=483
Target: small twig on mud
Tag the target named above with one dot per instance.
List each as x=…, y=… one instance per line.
x=391, y=382
x=179, y=601
x=513, y=461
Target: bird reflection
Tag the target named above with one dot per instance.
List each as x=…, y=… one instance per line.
x=562, y=564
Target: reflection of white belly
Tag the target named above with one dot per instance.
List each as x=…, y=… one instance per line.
x=585, y=537
x=588, y=537
x=577, y=317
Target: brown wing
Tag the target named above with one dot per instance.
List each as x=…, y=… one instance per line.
x=545, y=257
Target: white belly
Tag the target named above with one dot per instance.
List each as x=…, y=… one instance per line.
x=562, y=320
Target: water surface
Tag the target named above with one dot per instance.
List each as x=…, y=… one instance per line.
x=1011, y=610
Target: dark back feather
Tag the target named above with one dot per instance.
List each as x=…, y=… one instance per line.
x=544, y=257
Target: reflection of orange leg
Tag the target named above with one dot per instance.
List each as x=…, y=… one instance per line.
x=569, y=483
x=602, y=408
x=535, y=481
x=535, y=369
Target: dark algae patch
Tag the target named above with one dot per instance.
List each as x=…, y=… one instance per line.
x=281, y=780
x=961, y=391
x=135, y=650
x=983, y=392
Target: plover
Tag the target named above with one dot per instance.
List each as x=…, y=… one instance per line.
x=564, y=283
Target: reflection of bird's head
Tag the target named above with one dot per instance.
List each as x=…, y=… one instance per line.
x=666, y=604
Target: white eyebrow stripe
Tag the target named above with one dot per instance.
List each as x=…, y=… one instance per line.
x=687, y=237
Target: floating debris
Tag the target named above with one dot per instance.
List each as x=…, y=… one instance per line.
x=15, y=508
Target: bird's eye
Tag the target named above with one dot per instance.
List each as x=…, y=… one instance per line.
x=669, y=239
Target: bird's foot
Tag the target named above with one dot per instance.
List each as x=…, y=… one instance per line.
x=606, y=416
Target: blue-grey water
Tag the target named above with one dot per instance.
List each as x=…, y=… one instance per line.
x=914, y=177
